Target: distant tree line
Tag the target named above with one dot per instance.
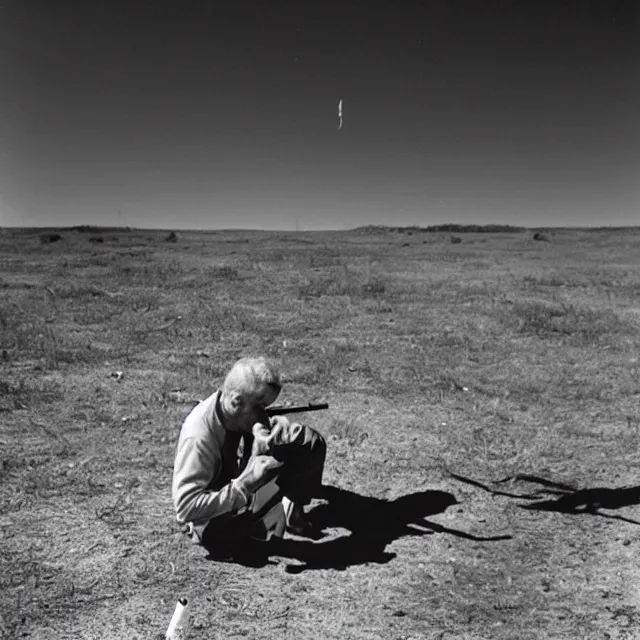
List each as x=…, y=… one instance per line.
x=475, y=228
x=449, y=228
x=90, y=228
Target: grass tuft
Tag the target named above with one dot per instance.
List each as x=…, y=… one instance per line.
x=546, y=318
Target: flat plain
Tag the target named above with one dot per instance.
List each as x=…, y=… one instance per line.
x=483, y=430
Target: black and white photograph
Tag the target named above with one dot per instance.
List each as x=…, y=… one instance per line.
x=320, y=320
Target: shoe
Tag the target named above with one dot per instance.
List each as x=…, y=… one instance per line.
x=297, y=522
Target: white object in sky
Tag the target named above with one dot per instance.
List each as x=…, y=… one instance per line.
x=340, y=114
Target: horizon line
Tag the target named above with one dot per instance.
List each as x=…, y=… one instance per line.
x=410, y=227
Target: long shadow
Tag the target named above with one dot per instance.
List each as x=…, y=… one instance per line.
x=569, y=499
x=591, y=501
x=373, y=523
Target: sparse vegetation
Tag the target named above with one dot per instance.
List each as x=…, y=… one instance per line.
x=48, y=238
x=553, y=317
x=443, y=228
x=446, y=369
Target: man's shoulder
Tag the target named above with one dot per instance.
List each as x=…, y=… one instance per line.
x=202, y=422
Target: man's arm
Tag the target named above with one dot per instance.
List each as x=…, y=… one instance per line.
x=194, y=469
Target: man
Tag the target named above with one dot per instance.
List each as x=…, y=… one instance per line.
x=239, y=475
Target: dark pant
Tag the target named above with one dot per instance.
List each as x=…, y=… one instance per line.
x=302, y=450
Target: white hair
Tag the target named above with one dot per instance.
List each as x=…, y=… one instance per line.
x=251, y=380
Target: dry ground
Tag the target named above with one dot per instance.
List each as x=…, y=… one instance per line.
x=447, y=367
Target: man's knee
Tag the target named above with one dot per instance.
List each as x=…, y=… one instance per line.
x=318, y=446
x=305, y=436
x=301, y=441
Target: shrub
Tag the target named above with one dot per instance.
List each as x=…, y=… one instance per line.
x=48, y=238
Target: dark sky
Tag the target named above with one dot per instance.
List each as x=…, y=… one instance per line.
x=207, y=114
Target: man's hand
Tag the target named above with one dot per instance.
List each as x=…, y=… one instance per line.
x=266, y=436
x=259, y=471
x=262, y=440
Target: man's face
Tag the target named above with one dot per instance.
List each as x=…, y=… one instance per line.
x=260, y=404
x=268, y=396
x=249, y=412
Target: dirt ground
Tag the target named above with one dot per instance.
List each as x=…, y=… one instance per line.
x=483, y=431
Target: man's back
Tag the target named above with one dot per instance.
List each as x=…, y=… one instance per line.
x=199, y=465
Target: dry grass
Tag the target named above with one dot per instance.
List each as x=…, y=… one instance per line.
x=446, y=365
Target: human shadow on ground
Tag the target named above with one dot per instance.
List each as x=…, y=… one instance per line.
x=566, y=498
x=372, y=523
